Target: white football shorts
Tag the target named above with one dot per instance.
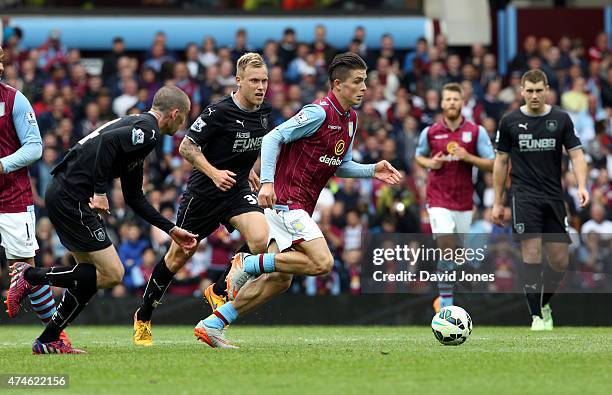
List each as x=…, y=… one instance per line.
x=291, y=227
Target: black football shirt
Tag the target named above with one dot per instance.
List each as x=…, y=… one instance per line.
x=535, y=145
x=230, y=138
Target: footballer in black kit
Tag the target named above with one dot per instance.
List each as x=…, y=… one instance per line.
x=533, y=138
x=116, y=150
x=223, y=146
x=75, y=198
x=535, y=144
x=230, y=138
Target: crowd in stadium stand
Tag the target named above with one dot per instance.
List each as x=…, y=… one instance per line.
x=403, y=97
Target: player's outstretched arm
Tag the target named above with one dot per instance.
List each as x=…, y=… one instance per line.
x=580, y=171
x=435, y=162
x=385, y=172
x=500, y=171
x=223, y=179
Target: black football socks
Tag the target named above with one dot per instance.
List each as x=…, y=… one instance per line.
x=532, y=277
x=74, y=300
x=156, y=287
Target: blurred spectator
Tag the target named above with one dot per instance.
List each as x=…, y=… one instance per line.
x=600, y=49
x=208, y=54
x=241, y=46
x=359, y=37
x=52, y=53
x=437, y=77
x=453, y=68
x=287, y=47
x=195, y=68
x=321, y=48
x=128, y=98
x=130, y=252
x=529, y=49
x=158, y=57
x=109, y=65
x=40, y=174
x=418, y=57
x=473, y=110
x=606, y=89
x=598, y=223
x=299, y=65
x=183, y=80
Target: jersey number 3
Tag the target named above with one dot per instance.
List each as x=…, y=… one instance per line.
x=252, y=199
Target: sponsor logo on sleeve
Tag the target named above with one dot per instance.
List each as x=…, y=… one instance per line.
x=198, y=125
x=137, y=136
x=301, y=118
x=31, y=118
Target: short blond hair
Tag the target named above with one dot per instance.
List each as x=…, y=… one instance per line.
x=249, y=59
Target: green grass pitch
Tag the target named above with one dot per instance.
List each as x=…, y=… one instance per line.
x=322, y=360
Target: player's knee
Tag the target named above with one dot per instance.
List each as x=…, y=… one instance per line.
x=175, y=260
x=115, y=276
x=110, y=276
x=532, y=254
x=258, y=244
x=559, y=263
x=323, y=264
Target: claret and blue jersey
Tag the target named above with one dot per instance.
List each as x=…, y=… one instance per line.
x=311, y=147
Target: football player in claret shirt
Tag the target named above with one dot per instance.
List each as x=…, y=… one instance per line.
x=450, y=149
x=75, y=198
x=533, y=138
x=297, y=160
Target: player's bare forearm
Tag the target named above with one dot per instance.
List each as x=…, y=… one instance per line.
x=192, y=154
x=483, y=164
x=257, y=165
x=500, y=170
x=579, y=166
x=424, y=162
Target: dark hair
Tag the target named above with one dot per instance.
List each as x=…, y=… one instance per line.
x=534, y=76
x=343, y=64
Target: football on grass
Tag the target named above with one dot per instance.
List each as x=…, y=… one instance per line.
x=451, y=325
